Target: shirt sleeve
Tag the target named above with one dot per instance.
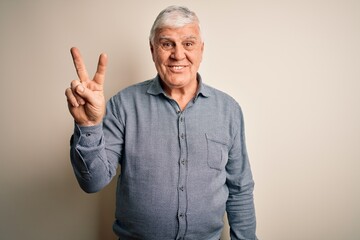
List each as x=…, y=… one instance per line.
x=95, y=163
x=240, y=205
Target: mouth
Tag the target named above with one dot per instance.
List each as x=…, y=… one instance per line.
x=176, y=68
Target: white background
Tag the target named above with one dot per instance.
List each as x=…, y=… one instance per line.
x=294, y=67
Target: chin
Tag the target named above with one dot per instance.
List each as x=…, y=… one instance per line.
x=178, y=81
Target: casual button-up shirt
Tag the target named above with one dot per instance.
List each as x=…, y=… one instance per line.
x=180, y=169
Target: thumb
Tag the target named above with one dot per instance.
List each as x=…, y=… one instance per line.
x=80, y=89
x=85, y=93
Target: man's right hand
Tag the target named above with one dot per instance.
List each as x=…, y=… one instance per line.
x=85, y=97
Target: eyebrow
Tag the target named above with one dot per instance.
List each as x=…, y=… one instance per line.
x=171, y=39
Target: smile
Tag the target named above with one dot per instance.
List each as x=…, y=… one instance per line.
x=177, y=67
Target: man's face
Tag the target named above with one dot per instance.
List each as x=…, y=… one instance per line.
x=177, y=54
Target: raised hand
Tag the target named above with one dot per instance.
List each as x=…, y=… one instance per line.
x=85, y=96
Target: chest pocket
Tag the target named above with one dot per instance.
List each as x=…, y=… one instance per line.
x=217, y=152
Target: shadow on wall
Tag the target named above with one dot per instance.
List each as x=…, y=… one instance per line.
x=36, y=205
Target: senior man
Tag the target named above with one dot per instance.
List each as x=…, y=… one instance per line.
x=180, y=143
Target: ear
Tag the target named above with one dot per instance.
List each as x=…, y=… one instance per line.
x=202, y=50
x=152, y=50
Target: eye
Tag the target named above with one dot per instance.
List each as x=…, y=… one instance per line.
x=189, y=45
x=167, y=45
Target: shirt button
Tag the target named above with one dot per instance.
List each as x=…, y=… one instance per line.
x=88, y=134
x=182, y=136
x=181, y=215
x=183, y=161
x=181, y=188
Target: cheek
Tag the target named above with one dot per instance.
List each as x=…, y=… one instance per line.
x=159, y=56
x=156, y=59
x=159, y=60
x=200, y=54
x=196, y=60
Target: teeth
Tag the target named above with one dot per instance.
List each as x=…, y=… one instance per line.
x=177, y=67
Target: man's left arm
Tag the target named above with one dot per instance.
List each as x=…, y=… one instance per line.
x=240, y=205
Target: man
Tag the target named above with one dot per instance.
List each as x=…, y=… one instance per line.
x=180, y=143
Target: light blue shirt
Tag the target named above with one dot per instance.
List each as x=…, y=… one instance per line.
x=180, y=170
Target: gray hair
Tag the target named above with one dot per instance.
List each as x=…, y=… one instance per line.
x=174, y=17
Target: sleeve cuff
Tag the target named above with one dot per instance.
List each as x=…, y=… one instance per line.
x=88, y=136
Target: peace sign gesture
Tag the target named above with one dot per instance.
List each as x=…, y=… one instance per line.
x=85, y=96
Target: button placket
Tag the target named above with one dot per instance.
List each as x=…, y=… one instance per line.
x=182, y=177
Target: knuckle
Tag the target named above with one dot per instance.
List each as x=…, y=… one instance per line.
x=74, y=83
x=68, y=92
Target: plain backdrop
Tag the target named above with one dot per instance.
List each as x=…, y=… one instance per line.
x=294, y=67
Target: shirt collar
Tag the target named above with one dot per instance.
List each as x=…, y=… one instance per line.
x=156, y=89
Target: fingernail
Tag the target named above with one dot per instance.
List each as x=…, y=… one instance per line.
x=75, y=104
x=80, y=88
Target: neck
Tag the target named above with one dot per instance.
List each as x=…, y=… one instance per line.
x=182, y=95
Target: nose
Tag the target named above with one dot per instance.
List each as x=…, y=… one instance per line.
x=178, y=53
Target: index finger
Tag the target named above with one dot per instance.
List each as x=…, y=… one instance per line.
x=79, y=65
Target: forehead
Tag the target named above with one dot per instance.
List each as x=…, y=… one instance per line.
x=189, y=31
